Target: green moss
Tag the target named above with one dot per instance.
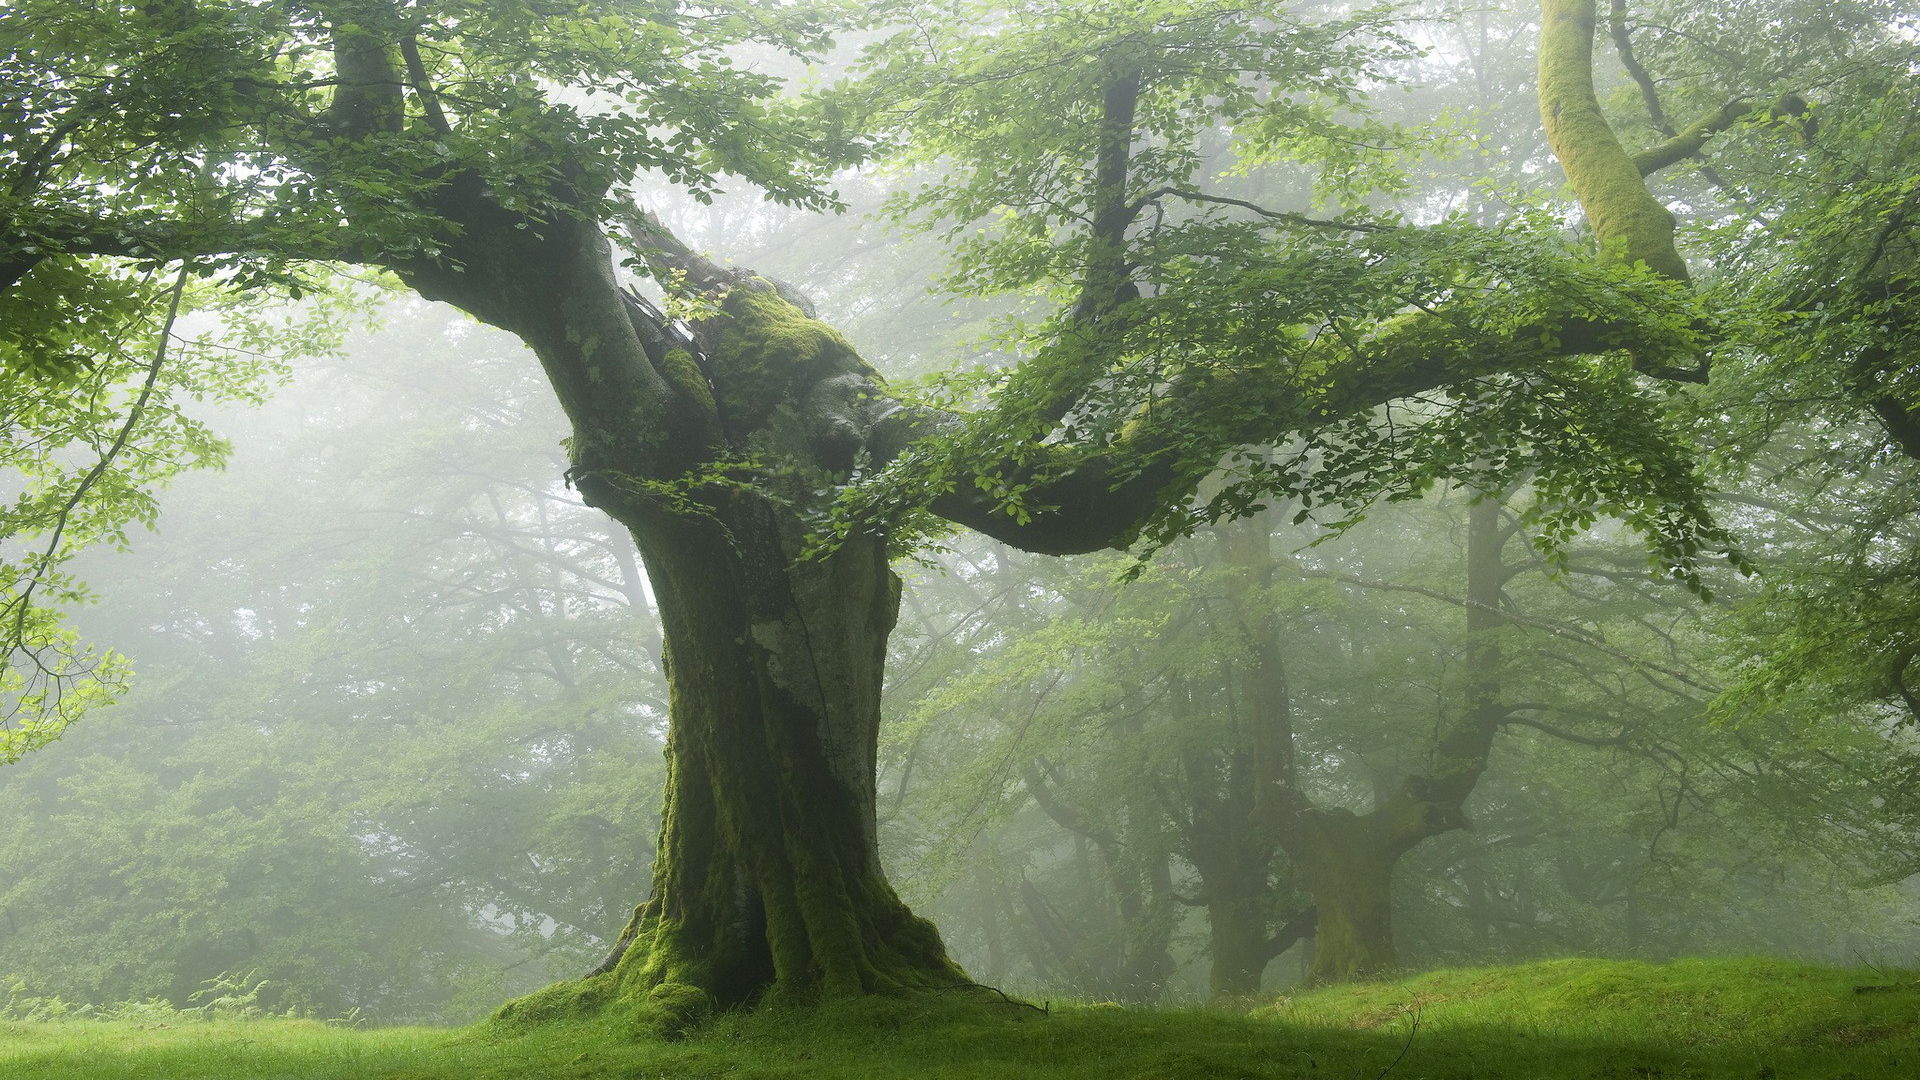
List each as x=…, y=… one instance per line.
x=1711, y=1001
x=673, y=1009
x=770, y=353
x=786, y=934
x=1631, y=225
x=684, y=375
x=576, y=999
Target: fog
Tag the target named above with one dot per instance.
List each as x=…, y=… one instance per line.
x=393, y=741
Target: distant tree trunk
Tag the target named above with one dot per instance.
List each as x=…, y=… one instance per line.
x=1346, y=861
x=986, y=883
x=1232, y=838
x=1137, y=970
x=1146, y=961
x=1238, y=943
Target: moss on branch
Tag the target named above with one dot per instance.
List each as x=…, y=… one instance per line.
x=1631, y=225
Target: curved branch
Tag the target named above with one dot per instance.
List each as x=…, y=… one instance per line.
x=1064, y=815
x=1689, y=142
x=1631, y=225
x=23, y=604
x=1300, y=924
x=1077, y=502
x=1287, y=216
x=1623, y=44
x=1568, y=736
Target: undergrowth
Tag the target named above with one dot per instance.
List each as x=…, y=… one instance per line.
x=227, y=996
x=1608, y=1020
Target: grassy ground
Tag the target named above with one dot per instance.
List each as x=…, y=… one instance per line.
x=1753, y=1019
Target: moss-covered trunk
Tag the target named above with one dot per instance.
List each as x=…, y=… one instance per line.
x=1346, y=861
x=769, y=875
x=1238, y=943
x=768, y=880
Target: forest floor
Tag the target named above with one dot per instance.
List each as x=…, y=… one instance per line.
x=1753, y=1019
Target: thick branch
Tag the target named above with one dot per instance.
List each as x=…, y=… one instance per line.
x=1107, y=283
x=29, y=173
x=1091, y=508
x=1301, y=924
x=1904, y=688
x=28, y=245
x=369, y=97
x=423, y=86
x=1079, y=502
x=1631, y=225
x=1900, y=416
x=1689, y=142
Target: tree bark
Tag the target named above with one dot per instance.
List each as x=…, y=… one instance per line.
x=1347, y=861
x=769, y=876
x=1631, y=225
x=768, y=879
x=1238, y=942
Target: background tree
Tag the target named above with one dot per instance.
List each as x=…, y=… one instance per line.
x=390, y=755
x=98, y=368
x=1608, y=814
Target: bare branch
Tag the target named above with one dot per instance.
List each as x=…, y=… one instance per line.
x=1287, y=216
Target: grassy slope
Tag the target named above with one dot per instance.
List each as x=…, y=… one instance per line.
x=1571, y=1018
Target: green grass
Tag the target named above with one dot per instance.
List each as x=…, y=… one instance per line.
x=1570, y=1018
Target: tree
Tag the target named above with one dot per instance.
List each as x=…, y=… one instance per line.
x=1606, y=815
x=481, y=152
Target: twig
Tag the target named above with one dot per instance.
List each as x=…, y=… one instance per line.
x=1411, y=1032
x=1044, y=1010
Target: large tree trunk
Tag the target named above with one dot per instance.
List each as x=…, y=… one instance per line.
x=1347, y=861
x=769, y=876
x=768, y=879
x=1238, y=943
